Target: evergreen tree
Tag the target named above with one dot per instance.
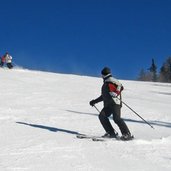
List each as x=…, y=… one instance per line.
x=153, y=70
x=165, y=71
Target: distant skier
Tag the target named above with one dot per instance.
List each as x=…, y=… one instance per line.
x=2, y=61
x=8, y=60
x=111, y=89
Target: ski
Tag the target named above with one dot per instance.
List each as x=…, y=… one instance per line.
x=100, y=138
x=84, y=136
x=118, y=138
x=105, y=139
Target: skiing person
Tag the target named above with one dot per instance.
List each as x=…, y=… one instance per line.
x=8, y=59
x=2, y=61
x=110, y=91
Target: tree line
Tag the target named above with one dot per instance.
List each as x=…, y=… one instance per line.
x=152, y=74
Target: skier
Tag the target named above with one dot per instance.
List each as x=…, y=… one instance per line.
x=2, y=61
x=8, y=59
x=110, y=91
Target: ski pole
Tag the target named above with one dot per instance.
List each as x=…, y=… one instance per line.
x=136, y=113
x=15, y=64
x=97, y=108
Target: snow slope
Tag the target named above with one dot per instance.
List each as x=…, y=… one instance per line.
x=41, y=113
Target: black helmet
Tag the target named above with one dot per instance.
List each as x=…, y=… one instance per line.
x=105, y=71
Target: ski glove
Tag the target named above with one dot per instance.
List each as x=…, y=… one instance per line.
x=92, y=102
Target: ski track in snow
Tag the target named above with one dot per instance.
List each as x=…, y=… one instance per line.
x=42, y=112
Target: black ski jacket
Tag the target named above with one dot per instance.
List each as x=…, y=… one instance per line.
x=106, y=97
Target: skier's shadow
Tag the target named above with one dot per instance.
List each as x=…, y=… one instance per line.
x=53, y=129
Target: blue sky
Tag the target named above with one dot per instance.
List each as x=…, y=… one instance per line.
x=83, y=36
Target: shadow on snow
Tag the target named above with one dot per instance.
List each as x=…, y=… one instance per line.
x=82, y=113
x=155, y=123
x=53, y=129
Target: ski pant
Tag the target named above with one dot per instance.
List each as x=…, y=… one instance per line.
x=116, y=111
x=9, y=65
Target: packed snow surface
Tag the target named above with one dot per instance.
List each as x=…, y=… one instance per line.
x=41, y=113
